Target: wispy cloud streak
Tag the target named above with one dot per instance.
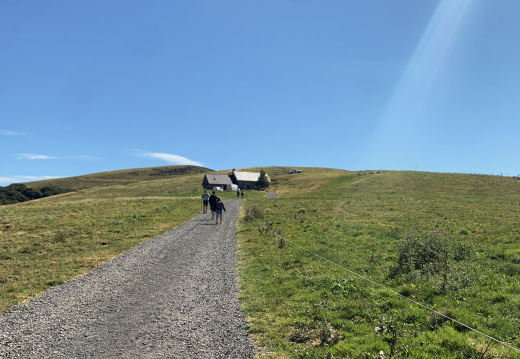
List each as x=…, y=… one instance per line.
x=80, y=157
x=32, y=156
x=170, y=158
x=11, y=133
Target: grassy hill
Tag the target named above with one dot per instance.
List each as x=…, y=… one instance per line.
x=449, y=241
x=121, y=177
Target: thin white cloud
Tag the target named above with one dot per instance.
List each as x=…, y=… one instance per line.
x=170, y=158
x=10, y=133
x=80, y=157
x=31, y=156
x=18, y=179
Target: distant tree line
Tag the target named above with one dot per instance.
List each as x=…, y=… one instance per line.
x=18, y=192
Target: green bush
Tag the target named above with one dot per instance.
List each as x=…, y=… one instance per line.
x=425, y=256
x=427, y=253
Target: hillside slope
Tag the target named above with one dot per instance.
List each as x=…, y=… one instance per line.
x=449, y=241
x=120, y=177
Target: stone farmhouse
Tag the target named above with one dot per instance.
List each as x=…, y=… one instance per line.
x=213, y=180
x=244, y=180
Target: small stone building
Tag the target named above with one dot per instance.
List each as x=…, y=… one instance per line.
x=214, y=180
x=246, y=180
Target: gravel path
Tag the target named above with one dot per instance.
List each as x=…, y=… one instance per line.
x=172, y=297
x=271, y=195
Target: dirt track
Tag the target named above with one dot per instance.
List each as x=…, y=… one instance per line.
x=172, y=297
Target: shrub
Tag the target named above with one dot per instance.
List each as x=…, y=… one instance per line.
x=433, y=255
x=423, y=252
x=254, y=213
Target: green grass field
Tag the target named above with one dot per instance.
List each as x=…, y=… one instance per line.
x=302, y=284
x=309, y=260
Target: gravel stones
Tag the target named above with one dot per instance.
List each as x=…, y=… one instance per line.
x=271, y=195
x=172, y=297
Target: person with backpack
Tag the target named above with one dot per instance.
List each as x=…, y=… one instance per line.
x=212, y=202
x=219, y=207
x=205, y=200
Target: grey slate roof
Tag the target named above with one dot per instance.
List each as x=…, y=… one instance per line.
x=248, y=176
x=218, y=179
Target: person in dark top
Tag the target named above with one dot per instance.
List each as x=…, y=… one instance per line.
x=205, y=200
x=212, y=202
x=238, y=192
x=219, y=207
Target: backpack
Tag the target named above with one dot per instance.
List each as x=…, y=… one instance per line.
x=218, y=205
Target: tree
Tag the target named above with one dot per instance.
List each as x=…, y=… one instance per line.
x=18, y=192
x=262, y=182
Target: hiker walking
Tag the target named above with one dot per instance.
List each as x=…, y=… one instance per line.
x=238, y=192
x=205, y=201
x=212, y=202
x=242, y=194
x=219, y=207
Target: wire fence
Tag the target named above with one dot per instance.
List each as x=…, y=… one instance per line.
x=405, y=297
x=492, y=339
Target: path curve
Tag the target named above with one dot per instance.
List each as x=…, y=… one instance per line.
x=174, y=296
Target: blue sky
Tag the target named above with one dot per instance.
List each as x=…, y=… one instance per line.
x=92, y=86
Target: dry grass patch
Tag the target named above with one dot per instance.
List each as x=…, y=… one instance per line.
x=45, y=235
